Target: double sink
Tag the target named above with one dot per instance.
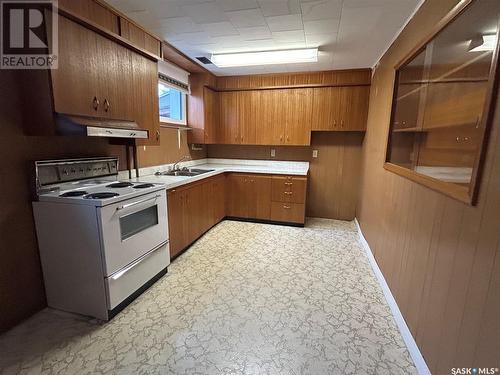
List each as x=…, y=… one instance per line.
x=185, y=172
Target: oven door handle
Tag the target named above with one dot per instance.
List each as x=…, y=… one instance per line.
x=125, y=206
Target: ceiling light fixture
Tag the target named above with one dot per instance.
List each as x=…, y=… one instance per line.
x=265, y=57
x=483, y=43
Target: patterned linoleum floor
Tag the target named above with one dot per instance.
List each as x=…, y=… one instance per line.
x=245, y=299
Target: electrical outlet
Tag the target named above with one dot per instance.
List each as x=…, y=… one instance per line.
x=315, y=153
x=273, y=153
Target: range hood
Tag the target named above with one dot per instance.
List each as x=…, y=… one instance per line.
x=98, y=127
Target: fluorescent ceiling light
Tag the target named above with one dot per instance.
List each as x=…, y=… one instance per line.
x=483, y=43
x=265, y=57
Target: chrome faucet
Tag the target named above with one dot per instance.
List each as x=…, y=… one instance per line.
x=175, y=167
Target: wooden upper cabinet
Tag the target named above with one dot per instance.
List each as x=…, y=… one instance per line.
x=298, y=112
x=340, y=108
x=326, y=108
x=229, y=126
x=93, y=79
x=144, y=98
x=98, y=13
x=270, y=117
x=139, y=37
x=75, y=85
x=115, y=80
x=354, y=108
x=248, y=106
x=211, y=116
x=94, y=12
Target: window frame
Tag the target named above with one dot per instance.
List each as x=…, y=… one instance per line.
x=467, y=195
x=166, y=121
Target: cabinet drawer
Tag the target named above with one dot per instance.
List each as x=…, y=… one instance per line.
x=289, y=189
x=288, y=212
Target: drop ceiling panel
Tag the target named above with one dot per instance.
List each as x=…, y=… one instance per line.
x=348, y=33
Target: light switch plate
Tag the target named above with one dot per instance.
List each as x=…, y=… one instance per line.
x=273, y=152
x=315, y=153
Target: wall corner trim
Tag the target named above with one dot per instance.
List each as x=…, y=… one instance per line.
x=415, y=354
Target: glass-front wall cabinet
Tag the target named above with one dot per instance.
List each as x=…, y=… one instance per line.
x=442, y=100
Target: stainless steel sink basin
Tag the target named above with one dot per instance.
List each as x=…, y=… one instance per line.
x=184, y=172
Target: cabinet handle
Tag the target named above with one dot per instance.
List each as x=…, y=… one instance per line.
x=157, y=135
x=106, y=105
x=241, y=139
x=288, y=183
x=286, y=207
x=342, y=123
x=281, y=138
x=288, y=192
x=334, y=123
x=95, y=103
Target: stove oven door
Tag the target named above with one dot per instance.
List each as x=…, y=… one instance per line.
x=132, y=228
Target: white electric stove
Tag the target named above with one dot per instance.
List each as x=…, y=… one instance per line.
x=102, y=241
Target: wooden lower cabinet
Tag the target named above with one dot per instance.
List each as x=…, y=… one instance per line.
x=289, y=199
x=288, y=212
x=249, y=196
x=193, y=209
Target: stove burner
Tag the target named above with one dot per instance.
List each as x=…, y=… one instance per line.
x=76, y=193
x=103, y=195
x=143, y=186
x=120, y=185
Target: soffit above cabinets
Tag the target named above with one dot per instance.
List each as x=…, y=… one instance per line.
x=349, y=33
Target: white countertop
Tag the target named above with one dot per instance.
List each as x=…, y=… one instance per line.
x=222, y=166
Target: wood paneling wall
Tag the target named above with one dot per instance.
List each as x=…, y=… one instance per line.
x=168, y=151
x=334, y=174
x=308, y=79
x=21, y=284
x=440, y=257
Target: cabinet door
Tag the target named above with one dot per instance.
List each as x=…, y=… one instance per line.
x=237, y=191
x=248, y=106
x=271, y=123
x=218, y=199
x=176, y=221
x=92, y=11
x=145, y=98
x=229, y=117
x=211, y=116
x=354, y=107
x=298, y=117
x=115, y=79
x=258, y=197
x=326, y=108
x=75, y=83
x=139, y=37
x=194, y=212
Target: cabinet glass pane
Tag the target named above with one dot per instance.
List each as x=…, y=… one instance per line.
x=441, y=98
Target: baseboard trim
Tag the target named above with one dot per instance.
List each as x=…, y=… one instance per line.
x=415, y=354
